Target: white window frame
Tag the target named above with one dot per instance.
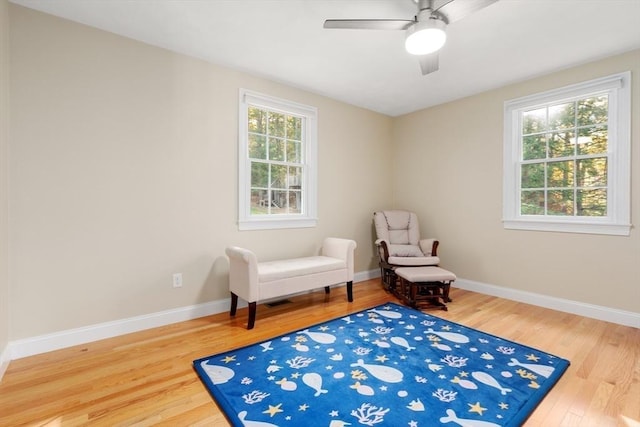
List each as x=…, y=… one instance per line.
x=309, y=212
x=617, y=221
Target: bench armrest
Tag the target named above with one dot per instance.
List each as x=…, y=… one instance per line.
x=342, y=249
x=243, y=273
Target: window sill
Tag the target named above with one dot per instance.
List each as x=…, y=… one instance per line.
x=276, y=223
x=559, y=226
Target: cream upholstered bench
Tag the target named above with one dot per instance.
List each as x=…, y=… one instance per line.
x=255, y=281
x=425, y=284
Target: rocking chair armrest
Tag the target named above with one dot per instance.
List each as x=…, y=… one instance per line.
x=429, y=246
x=383, y=249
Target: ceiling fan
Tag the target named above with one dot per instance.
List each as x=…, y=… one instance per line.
x=425, y=32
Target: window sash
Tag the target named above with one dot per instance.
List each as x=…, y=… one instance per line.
x=306, y=196
x=617, y=219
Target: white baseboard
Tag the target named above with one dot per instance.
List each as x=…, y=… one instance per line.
x=621, y=317
x=4, y=361
x=57, y=340
x=41, y=344
x=366, y=275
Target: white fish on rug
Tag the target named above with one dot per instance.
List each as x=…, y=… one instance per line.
x=402, y=342
x=287, y=385
x=441, y=346
x=300, y=347
x=381, y=344
x=470, y=385
x=416, y=405
x=364, y=390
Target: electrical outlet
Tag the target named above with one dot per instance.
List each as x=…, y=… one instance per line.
x=177, y=280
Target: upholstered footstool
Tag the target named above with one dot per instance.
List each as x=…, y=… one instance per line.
x=425, y=284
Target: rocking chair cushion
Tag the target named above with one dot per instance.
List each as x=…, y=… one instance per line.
x=414, y=261
x=399, y=242
x=405, y=250
x=398, y=227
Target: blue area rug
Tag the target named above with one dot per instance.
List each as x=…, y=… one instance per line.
x=386, y=366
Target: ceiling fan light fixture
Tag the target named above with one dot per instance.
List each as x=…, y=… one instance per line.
x=425, y=37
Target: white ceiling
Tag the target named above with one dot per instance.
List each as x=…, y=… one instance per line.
x=283, y=40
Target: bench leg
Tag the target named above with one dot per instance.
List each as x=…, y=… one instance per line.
x=252, y=315
x=234, y=304
x=327, y=289
x=350, y=291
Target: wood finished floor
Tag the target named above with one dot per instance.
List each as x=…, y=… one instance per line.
x=146, y=378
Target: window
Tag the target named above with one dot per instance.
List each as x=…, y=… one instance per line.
x=567, y=159
x=277, y=163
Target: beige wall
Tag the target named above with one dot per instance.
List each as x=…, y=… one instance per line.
x=124, y=171
x=4, y=207
x=448, y=168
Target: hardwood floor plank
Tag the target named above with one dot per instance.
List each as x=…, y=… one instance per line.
x=146, y=378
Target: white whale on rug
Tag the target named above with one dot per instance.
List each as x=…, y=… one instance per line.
x=218, y=374
x=381, y=372
x=248, y=423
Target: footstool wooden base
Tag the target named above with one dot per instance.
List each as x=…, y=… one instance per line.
x=425, y=284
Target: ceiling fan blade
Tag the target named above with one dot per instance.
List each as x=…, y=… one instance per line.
x=455, y=10
x=368, y=24
x=429, y=63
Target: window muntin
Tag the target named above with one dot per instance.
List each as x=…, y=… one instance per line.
x=277, y=163
x=275, y=154
x=564, y=162
x=567, y=165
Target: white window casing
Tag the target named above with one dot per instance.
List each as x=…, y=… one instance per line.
x=617, y=219
x=309, y=206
